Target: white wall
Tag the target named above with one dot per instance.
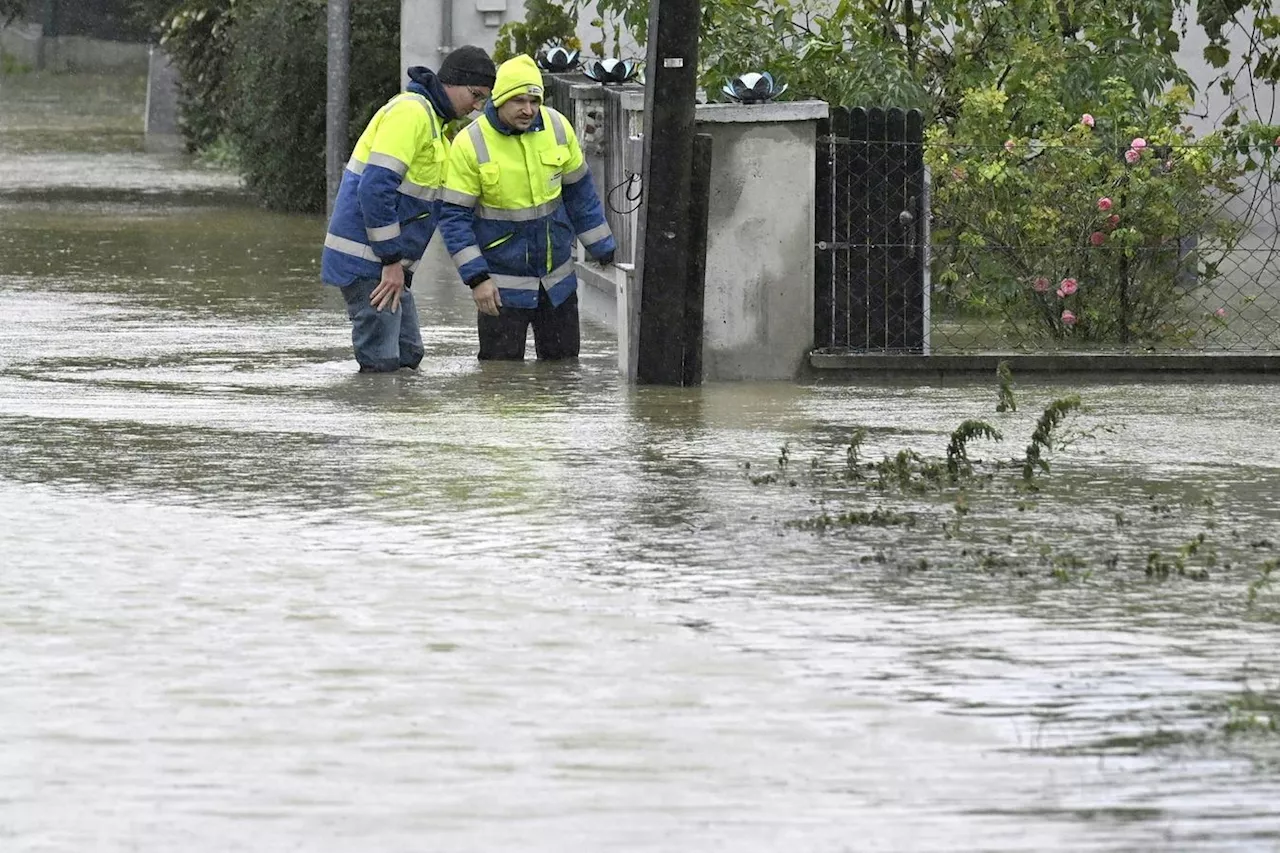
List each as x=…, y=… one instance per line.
x=423, y=41
x=421, y=35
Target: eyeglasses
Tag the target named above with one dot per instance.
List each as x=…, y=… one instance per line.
x=477, y=97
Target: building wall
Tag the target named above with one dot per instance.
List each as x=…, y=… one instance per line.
x=474, y=22
x=423, y=40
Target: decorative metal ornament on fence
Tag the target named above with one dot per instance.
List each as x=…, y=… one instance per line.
x=558, y=60
x=611, y=70
x=754, y=88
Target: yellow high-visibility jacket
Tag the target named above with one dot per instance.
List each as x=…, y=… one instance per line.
x=388, y=204
x=514, y=203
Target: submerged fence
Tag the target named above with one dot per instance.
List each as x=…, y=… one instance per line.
x=1079, y=243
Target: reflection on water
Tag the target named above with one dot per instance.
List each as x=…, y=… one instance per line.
x=252, y=600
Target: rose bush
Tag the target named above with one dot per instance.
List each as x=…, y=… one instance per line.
x=1119, y=205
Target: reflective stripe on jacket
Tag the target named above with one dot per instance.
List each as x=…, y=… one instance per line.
x=515, y=203
x=388, y=202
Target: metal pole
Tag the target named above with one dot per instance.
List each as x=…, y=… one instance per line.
x=670, y=94
x=337, y=108
x=446, y=28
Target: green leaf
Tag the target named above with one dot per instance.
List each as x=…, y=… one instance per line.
x=1217, y=55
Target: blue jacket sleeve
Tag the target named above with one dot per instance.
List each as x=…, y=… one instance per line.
x=457, y=214
x=457, y=227
x=587, y=214
x=379, y=205
x=580, y=199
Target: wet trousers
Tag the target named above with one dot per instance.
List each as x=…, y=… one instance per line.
x=555, y=330
x=383, y=341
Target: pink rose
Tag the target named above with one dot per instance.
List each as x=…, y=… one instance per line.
x=1131, y=156
x=1009, y=146
x=1113, y=220
x=1104, y=203
x=1221, y=313
x=1068, y=319
x=1087, y=121
x=1040, y=285
x=1068, y=286
x=1097, y=238
x=1138, y=143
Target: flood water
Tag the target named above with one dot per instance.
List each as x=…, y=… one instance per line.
x=252, y=600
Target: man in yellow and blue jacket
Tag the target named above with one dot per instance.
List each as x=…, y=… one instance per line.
x=388, y=206
x=517, y=197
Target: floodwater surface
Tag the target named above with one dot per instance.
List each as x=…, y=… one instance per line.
x=252, y=600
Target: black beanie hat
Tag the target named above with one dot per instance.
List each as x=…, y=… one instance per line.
x=468, y=66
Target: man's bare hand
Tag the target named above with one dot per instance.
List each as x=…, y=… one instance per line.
x=389, y=288
x=487, y=299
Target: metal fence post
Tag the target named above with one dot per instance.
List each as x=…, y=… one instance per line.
x=337, y=107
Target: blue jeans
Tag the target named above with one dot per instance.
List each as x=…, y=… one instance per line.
x=383, y=341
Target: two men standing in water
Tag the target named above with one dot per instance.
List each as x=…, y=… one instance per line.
x=511, y=196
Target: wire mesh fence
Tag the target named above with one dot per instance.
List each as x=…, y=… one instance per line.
x=1084, y=243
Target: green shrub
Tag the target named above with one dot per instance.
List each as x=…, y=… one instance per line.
x=277, y=120
x=278, y=68
x=545, y=22
x=11, y=10
x=1082, y=229
x=376, y=73
x=196, y=36
x=11, y=65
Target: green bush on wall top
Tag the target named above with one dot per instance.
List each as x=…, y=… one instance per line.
x=545, y=22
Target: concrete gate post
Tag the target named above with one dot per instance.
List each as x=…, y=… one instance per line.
x=758, y=316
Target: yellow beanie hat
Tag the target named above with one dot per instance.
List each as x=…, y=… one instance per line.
x=517, y=76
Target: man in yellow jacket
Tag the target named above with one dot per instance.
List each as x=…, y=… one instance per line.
x=388, y=206
x=518, y=195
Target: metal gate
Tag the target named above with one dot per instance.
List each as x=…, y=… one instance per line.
x=872, y=232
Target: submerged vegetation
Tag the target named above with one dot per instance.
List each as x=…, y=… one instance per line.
x=1000, y=514
x=963, y=515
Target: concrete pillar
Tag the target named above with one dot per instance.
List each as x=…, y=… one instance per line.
x=758, y=303
x=758, y=317
x=161, y=119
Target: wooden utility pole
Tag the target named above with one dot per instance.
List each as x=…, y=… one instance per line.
x=337, y=109
x=664, y=264
x=695, y=292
